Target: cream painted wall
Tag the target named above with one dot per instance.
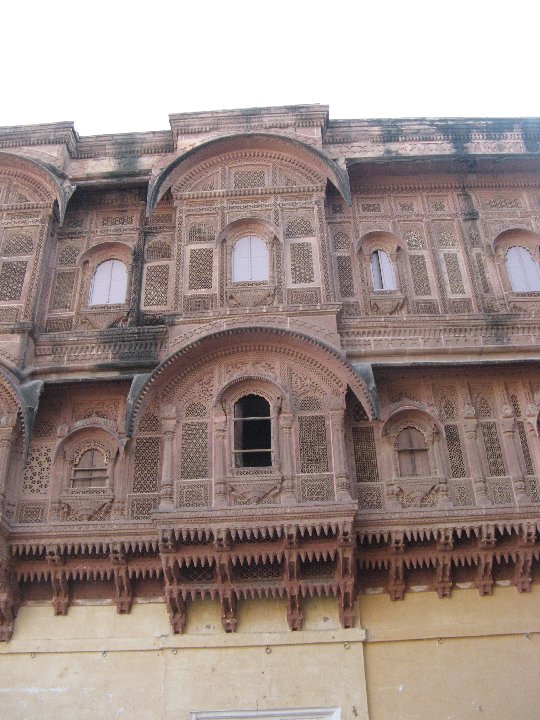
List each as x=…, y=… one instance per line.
x=95, y=664
x=462, y=658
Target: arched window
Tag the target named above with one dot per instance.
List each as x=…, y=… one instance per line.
x=382, y=272
x=412, y=453
x=250, y=260
x=522, y=270
x=109, y=284
x=90, y=471
x=252, y=432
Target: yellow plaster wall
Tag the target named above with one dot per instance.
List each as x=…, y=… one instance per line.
x=461, y=658
x=94, y=664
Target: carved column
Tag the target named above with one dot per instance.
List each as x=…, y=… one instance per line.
x=393, y=489
x=470, y=427
x=7, y=437
x=168, y=427
x=339, y=454
x=288, y=495
x=443, y=498
x=220, y=459
x=508, y=426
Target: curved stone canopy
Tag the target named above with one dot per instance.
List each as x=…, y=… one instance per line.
x=311, y=156
x=275, y=339
x=45, y=177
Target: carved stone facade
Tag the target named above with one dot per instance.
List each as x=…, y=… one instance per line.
x=377, y=316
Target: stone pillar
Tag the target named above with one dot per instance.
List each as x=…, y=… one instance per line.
x=220, y=459
x=443, y=498
x=339, y=455
x=288, y=494
x=508, y=426
x=470, y=427
x=392, y=489
x=168, y=427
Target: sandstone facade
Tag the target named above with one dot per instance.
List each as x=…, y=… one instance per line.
x=268, y=372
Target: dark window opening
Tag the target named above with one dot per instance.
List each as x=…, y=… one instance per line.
x=90, y=471
x=252, y=432
x=412, y=453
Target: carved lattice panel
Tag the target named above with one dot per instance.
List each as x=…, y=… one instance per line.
x=316, y=489
x=369, y=496
x=299, y=227
x=68, y=256
x=419, y=274
x=156, y=286
x=37, y=471
x=453, y=274
x=302, y=270
x=461, y=493
x=525, y=449
x=313, y=444
x=254, y=178
x=140, y=508
x=19, y=244
x=63, y=290
x=192, y=494
x=12, y=276
x=365, y=455
x=194, y=453
x=493, y=450
x=201, y=269
x=201, y=232
x=146, y=465
x=455, y=452
x=345, y=276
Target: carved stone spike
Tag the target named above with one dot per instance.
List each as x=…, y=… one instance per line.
x=229, y=619
x=396, y=583
x=123, y=593
x=295, y=616
x=443, y=576
x=522, y=579
x=346, y=607
x=61, y=595
x=176, y=607
x=484, y=577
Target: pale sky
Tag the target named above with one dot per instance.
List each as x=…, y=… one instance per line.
x=121, y=66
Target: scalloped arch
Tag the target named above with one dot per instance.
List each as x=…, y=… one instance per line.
x=249, y=141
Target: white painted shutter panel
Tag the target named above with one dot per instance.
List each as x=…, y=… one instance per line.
x=259, y=259
x=118, y=283
x=376, y=274
x=515, y=269
x=387, y=271
x=241, y=260
x=530, y=270
x=99, y=294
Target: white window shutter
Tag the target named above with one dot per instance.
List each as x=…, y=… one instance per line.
x=109, y=283
x=376, y=274
x=387, y=271
x=99, y=294
x=259, y=259
x=118, y=286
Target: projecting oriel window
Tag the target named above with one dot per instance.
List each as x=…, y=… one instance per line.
x=252, y=432
x=109, y=284
x=91, y=470
x=522, y=270
x=382, y=272
x=250, y=260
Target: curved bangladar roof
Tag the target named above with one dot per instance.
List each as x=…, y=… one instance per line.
x=247, y=141
x=230, y=339
x=42, y=175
